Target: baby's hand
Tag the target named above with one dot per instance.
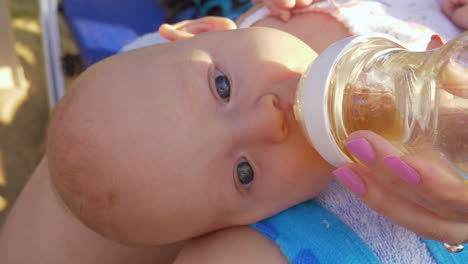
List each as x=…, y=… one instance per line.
x=456, y=10
x=283, y=8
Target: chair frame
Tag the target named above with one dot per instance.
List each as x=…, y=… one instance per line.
x=52, y=50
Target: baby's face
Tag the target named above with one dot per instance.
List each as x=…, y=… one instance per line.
x=172, y=141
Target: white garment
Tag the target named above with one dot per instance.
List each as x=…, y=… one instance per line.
x=412, y=22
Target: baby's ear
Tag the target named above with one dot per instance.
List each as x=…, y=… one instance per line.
x=189, y=28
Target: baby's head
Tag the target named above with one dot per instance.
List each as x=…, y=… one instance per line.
x=168, y=142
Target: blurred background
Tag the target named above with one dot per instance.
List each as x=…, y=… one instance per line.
x=24, y=108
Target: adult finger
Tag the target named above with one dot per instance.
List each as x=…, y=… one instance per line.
x=371, y=149
x=424, y=179
x=439, y=181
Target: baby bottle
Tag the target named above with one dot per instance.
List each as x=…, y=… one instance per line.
x=416, y=100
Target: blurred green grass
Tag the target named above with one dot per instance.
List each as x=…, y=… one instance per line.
x=22, y=137
x=24, y=8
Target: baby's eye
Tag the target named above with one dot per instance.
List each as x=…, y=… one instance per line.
x=245, y=173
x=223, y=87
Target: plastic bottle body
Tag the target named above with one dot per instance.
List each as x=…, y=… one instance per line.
x=416, y=100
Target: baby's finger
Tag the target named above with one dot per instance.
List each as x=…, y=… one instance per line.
x=398, y=209
x=284, y=4
x=303, y=3
x=283, y=13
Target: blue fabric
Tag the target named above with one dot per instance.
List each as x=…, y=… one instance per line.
x=102, y=27
x=227, y=10
x=389, y=242
x=443, y=256
x=309, y=234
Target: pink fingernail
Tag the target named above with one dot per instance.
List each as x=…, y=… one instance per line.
x=402, y=169
x=362, y=150
x=349, y=179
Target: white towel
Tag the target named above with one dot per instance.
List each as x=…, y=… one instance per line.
x=390, y=242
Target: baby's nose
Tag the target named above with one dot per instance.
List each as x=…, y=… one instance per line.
x=268, y=120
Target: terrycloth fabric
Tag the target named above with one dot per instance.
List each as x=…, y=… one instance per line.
x=309, y=234
x=391, y=243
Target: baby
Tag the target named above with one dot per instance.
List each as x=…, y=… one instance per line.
x=162, y=144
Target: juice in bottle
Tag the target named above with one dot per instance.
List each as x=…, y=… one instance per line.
x=416, y=100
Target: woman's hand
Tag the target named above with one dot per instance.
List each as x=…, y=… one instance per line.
x=421, y=193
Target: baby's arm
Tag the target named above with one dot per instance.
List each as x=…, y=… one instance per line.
x=457, y=11
x=40, y=229
x=231, y=246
